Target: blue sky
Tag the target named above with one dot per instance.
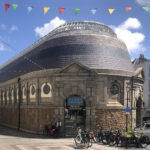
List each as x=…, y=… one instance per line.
x=18, y=29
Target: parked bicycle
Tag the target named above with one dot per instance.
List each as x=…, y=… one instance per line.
x=135, y=139
x=108, y=137
x=99, y=135
x=83, y=138
x=116, y=138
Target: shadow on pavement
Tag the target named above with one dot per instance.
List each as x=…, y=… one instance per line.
x=6, y=131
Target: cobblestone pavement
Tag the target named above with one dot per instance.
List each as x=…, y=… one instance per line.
x=15, y=140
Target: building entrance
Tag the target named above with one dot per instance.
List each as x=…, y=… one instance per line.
x=75, y=115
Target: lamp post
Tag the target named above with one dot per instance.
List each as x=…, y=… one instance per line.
x=90, y=114
x=126, y=112
x=130, y=88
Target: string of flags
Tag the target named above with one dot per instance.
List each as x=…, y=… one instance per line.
x=61, y=10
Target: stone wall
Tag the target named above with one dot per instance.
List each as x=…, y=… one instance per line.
x=111, y=118
x=9, y=116
x=32, y=119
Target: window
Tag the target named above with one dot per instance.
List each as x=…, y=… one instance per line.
x=147, y=126
x=46, y=90
x=33, y=91
x=12, y=96
x=114, y=89
x=24, y=95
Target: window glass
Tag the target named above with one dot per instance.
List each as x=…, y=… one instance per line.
x=147, y=126
x=114, y=89
x=46, y=89
x=33, y=90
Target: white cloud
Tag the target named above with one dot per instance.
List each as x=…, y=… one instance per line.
x=143, y=2
x=47, y=27
x=133, y=40
x=13, y=28
x=3, y=27
x=2, y=48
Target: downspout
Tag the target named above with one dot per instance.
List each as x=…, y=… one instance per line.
x=19, y=101
x=131, y=101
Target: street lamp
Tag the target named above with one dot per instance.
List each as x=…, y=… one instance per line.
x=128, y=89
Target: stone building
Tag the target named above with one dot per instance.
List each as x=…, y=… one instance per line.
x=145, y=64
x=80, y=74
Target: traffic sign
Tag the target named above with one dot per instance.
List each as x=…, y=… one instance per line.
x=127, y=110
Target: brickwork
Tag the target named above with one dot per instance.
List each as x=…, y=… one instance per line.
x=111, y=118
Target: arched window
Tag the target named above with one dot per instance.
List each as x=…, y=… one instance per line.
x=7, y=96
x=12, y=96
x=46, y=90
x=32, y=91
x=17, y=94
x=114, y=89
x=3, y=97
x=115, y=92
x=24, y=93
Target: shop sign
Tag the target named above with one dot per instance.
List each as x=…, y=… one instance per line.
x=74, y=102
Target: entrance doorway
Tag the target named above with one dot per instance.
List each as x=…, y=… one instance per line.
x=75, y=115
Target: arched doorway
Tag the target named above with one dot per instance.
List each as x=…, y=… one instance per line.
x=139, y=111
x=75, y=115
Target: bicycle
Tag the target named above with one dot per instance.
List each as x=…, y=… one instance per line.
x=83, y=139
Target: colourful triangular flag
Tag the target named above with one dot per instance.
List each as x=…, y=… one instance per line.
x=46, y=9
x=7, y=6
x=93, y=11
x=61, y=10
x=146, y=8
x=14, y=6
x=77, y=10
x=111, y=10
x=29, y=8
x=128, y=9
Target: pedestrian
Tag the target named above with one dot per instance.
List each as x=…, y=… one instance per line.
x=58, y=127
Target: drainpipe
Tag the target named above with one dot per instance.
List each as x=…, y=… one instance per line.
x=131, y=101
x=19, y=101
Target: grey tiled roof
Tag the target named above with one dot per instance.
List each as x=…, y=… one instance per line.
x=92, y=44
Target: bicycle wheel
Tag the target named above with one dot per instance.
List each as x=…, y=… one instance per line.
x=144, y=142
x=90, y=142
x=104, y=140
x=77, y=140
x=112, y=141
x=97, y=140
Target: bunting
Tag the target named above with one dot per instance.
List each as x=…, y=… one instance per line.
x=128, y=9
x=61, y=10
x=111, y=10
x=14, y=6
x=77, y=10
x=46, y=9
x=146, y=8
x=7, y=6
x=29, y=9
x=93, y=11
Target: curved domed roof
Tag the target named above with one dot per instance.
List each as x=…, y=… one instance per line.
x=90, y=43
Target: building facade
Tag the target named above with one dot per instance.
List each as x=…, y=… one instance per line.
x=145, y=64
x=80, y=74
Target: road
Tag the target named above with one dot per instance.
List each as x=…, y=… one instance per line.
x=11, y=139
